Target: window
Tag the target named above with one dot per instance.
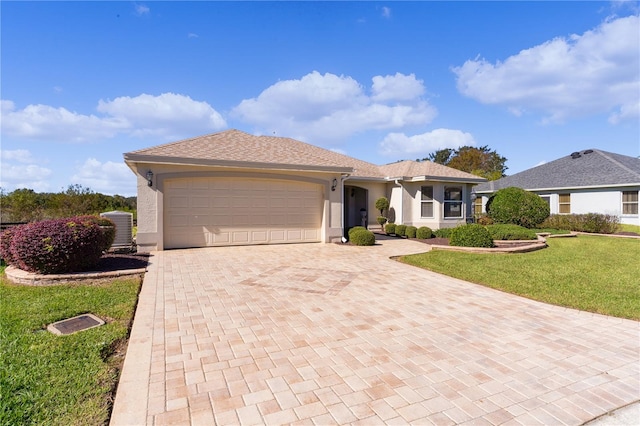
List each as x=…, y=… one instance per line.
x=452, y=201
x=630, y=202
x=564, y=203
x=426, y=201
x=547, y=199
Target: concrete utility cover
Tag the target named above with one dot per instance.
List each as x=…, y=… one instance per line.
x=72, y=325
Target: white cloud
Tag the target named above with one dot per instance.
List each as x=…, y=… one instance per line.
x=106, y=178
x=397, y=144
x=575, y=76
x=192, y=35
x=329, y=108
x=396, y=87
x=386, y=12
x=18, y=169
x=166, y=116
x=19, y=155
x=142, y=9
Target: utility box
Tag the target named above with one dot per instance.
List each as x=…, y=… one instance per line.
x=124, y=228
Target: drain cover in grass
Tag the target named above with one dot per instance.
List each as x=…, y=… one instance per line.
x=72, y=325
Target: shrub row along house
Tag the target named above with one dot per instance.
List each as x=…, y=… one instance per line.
x=589, y=181
x=233, y=188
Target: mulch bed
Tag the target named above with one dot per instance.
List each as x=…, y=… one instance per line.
x=119, y=262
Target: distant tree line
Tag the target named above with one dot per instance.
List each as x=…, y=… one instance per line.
x=26, y=205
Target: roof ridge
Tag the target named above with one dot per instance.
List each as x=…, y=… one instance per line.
x=616, y=162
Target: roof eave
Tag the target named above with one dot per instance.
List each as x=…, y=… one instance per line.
x=566, y=188
x=156, y=159
x=477, y=180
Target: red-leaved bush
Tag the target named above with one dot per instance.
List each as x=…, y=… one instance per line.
x=55, y=246
x=5, y=244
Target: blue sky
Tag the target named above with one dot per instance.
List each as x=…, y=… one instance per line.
x=84, y=82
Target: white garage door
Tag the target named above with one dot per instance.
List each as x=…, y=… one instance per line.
x=201, y=212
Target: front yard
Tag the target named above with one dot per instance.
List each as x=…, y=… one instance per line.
x=589, y=273
x=61, y=380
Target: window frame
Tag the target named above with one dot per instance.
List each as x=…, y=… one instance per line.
x=426, y=201
x=448, y=203
x=630, y=203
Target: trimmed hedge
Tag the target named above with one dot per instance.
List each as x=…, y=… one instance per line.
x=390, y=228
x=400, y=230
x=55, y=246
x=410, y=232
x=518, y=207
x=424, y=232
x=381, y=220
x=443, y=232
x=362, y=237
x=472, y=235
x=590, y=222
x=510, y=232
x=355, y=229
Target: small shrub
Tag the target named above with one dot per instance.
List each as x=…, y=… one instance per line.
x=400, y=230
x=443, y=232
x=510, y=232
x=390, y=228
x=424, y=232
x=410, y=232
x=484, y=220
x=589, y=222
x=355, y=229
x=382, y=204
x=472, y=235
x=57, y=246
x=362, y=237
x=518, y=207
x=5, y=245
x=381, y=220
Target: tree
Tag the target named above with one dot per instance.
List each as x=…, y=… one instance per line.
x=478, y=161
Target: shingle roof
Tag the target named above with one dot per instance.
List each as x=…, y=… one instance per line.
x=233, y=147
x=587, y=168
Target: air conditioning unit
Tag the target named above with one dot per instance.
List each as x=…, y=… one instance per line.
x=124, y=228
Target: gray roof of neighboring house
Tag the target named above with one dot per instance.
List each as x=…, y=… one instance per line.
x=588, y=168
x=234, y=148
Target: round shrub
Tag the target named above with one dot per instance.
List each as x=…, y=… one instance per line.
x=410, y=232
x=510, y=232
x=355, y=229
x=443, y=232
x=108, y=228
x=57, y=246
x=472, y=235
x=518, y=207
x=382, y=204
x=424, y=232
x=363, y=237
x=390, y=228
x=5, y=245
x=400, y=230
x=381, y=220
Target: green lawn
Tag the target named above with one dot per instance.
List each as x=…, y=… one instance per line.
x=61, y=380
x=590, y=273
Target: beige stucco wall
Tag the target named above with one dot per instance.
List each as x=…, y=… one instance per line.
x=150, y=234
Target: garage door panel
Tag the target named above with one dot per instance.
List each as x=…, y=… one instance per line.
x=224, y=211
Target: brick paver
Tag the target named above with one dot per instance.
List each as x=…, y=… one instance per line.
x=333, y=334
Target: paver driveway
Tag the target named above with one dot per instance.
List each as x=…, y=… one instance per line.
x=326, y=334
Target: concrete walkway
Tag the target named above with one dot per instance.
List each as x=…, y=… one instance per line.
x=335, y=334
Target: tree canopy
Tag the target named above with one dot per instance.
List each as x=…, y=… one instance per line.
x=481, y=161
x=26, y=205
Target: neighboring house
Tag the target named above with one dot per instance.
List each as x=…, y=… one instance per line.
x=589, y=181
x=233, y=188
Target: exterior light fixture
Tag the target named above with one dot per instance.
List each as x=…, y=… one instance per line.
x=334, y=184
x=149, y=178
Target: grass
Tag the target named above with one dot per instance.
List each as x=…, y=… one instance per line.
x=629, y=228
x=61, y=380
x=589, y=273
